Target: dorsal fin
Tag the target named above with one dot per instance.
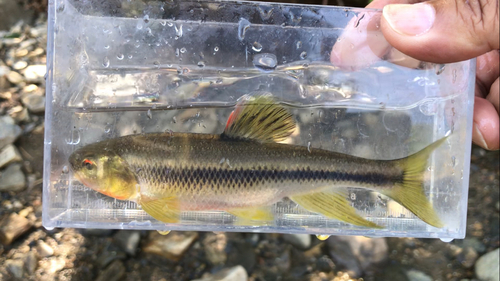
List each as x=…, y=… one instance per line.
x=259, y=118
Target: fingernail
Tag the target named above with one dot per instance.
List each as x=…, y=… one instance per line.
x=411, y=20
x=478, y=138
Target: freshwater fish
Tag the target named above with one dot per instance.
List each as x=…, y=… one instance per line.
x=245, y=170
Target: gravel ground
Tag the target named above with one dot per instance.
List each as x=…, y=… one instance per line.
x=30, y=252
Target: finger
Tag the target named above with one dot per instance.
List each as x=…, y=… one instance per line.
x=486, y=126
x=487, y=71
x=443, y=31
x=494, y=97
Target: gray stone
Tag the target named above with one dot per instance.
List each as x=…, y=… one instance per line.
x=468, y=257
x=487, y=266
x=31, y=262
x=416, y=275
x=14, y=77
x=9, y=154
x=35, y=103
x=35, y=73
x=237, y=273
x=475, y=243
x=358, y=254
x=215, y=248
x=43, y=249
x=12, y=178
x=13, y=226
x=15, y=268
x=19, y=113
x=171, y=246
x=108, y=256
x=301, y=241
x=114, y=272
x=128, y=241
x=9, y=131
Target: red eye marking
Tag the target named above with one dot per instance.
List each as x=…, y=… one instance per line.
x=87, y=161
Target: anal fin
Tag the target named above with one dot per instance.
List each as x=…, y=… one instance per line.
x=332, y=205
x=163, y=209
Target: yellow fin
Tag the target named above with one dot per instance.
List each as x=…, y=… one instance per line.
x=332, y=205
x=261, y=119
x=410, y=193
x=252, y=216
x=164, y=209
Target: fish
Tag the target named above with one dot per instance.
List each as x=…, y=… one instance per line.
x=245, y=170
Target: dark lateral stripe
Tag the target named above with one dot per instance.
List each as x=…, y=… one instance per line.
x=241, y=176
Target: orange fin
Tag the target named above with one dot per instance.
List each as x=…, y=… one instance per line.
x=164, y=209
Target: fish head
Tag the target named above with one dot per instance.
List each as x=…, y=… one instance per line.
x=105, y=171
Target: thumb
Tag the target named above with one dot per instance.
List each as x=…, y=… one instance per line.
x=443, y=31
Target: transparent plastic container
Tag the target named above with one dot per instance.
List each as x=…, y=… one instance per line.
x=138, y=67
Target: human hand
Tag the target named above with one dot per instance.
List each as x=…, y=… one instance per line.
x=439, y=31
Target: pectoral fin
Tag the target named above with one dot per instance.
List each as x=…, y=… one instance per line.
x=164, y=209
x=252, y=216
x=332, y=205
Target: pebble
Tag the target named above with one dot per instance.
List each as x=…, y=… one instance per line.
x=31, y=262
x=9, y=154
x=357, y=254
x=487, y=266
x=237, y=273
x=108, y=256
x=35, y=73
x=114, y=272
x=19, y=113
x=468, y=257
x=214, y=246
x=15, y=268
x=14, y=77
x=171, y=246
x=44, y=250
x=417, y=275
x=20, y=65
x=12, y=178
x=35, y=103
x=300, y=241
x=9, y=131
x=13, y=226
x=128, y=241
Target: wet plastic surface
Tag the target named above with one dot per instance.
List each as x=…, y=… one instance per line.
x=144, y=67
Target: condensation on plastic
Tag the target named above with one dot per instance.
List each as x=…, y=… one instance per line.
x=119, y=68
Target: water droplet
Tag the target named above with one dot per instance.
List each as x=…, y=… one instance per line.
x=303, y=55
x=178, y=31
x=309, y=147
x=257, y=47
x=299, y=44
x=183, y=50
x=149, y=114
x=164, y=232
x=139, y=25
x=446, y=240
x=174, y=119
x=243, y=26
x=120, y=56
x=106, y=47
x=322, y=237
x=216, y=49
x=201, y=64
x=65, y=170
x=146, y=18
x=265, y=62
x=107, y=129
x=156, y=64
x=105, y=62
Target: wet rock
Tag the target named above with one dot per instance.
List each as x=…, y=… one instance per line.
x=109, y=255
x=12, y=226
x=215, y=246
x=416, y=275
x=35, y=73
x=171, y=246
x=358, y=254
x=9, y=131
x=20, y=65
x=19, y=114
x=128, y=241
x=12, y=178
x=14, y=77
x=487, y=266
x=468, y=257
x=15, y=268
x=35, y=103
x=9, y=154
x=31, y=262
x=115, y=271
x=237, y=273
x=301, y=241
x=44, y=250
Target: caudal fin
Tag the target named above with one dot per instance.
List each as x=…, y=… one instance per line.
x=410, y=192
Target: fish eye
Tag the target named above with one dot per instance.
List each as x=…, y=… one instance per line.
x=89, y=165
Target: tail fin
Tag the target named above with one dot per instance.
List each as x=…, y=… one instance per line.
x=410, y=192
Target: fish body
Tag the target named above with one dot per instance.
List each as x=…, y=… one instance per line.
x=245, y=170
